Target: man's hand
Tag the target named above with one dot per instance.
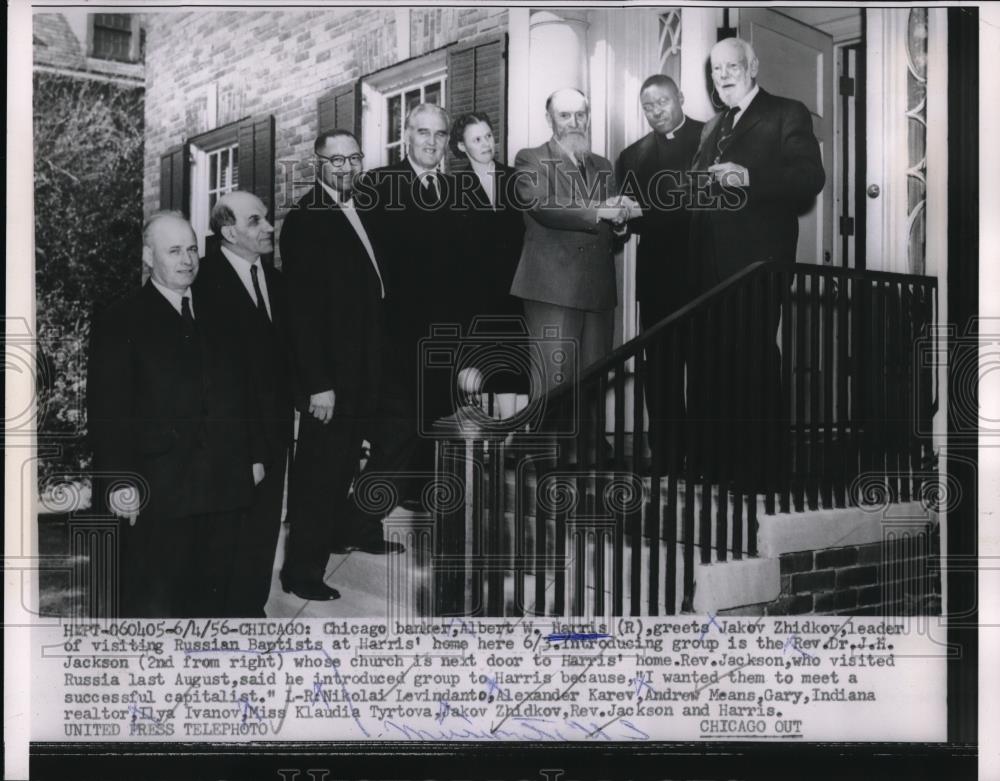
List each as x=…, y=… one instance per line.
x=321, y=405
x=258, y=473
x=631, y=206
x=616, y=215
x=730, y=174
x=124, y=503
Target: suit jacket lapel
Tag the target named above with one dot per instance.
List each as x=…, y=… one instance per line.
x=228, y=276
x=750, y=117
x=502, y=183
x=364, y=218
x=709, y=134
x=478, y=193
x=647, y=158
x=159, y=307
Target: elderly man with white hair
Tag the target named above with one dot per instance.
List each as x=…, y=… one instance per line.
x=763, y=150
x=765, y=169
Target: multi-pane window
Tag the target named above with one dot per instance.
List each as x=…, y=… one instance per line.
x=215, y=171
x=399, y=103
x=223, y=172
x=112, y=37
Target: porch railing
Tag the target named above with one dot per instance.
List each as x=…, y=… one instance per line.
x=772, y=393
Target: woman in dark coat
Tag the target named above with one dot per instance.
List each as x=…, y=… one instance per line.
x=492, y=233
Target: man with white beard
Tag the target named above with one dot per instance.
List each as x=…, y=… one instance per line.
x=566, y=274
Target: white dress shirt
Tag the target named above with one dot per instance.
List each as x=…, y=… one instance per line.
x=747, y=100
x=173, y=297
x=242, y=268
x=347, y=207
x=487, y=178
x=428, y=176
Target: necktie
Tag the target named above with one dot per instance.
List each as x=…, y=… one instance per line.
x=725, y=132
x=186, y=315
x=583, y=170
x=432, y=189
x=261, y=306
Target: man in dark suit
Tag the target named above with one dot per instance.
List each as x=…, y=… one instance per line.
x=653, y=171
x=236, y=284
x=566, y=274
x=763, y=163
x=336, y=288
x=173, y=431
x=761, y=148
x=414, y=205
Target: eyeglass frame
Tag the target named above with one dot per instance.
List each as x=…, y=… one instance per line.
x=356, y=159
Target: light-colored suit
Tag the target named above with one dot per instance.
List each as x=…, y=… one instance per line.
x=566, y=274
x=567, y=258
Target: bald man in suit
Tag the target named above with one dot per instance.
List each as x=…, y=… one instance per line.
x=566, y=273
x=237, y=281
x=173, y=427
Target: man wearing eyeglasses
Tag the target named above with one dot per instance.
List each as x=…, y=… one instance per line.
x=333, y=271
x=653, y=171
x=761, y=149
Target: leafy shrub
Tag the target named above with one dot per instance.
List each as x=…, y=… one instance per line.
x=88, y=239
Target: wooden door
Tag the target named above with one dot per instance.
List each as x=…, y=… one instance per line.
x=796, y=61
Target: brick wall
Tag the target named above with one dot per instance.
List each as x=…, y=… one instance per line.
x=54, y=42
x=895, y=577
x=56, y=46
x=275, y=62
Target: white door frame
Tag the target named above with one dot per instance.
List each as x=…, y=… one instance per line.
x=887, y=217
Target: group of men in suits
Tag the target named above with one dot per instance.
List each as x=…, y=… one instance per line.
x=215, y=354
x=194, y=378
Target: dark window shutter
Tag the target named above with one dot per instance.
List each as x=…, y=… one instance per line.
x=256, y=167
x=340, y=109
x=175, y=172
x=477, y=81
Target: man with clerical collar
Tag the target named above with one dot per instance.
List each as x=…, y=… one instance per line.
x=240, y=286
x=177, y=450
x=333, y=267
x=653, y=171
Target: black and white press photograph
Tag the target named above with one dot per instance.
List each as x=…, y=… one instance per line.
x=485, y=311
x=540, y=391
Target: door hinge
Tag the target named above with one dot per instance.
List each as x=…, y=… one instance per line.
x=846, y=226
x=847, y=86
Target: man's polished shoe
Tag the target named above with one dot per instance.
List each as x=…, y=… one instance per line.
x=317, y=591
